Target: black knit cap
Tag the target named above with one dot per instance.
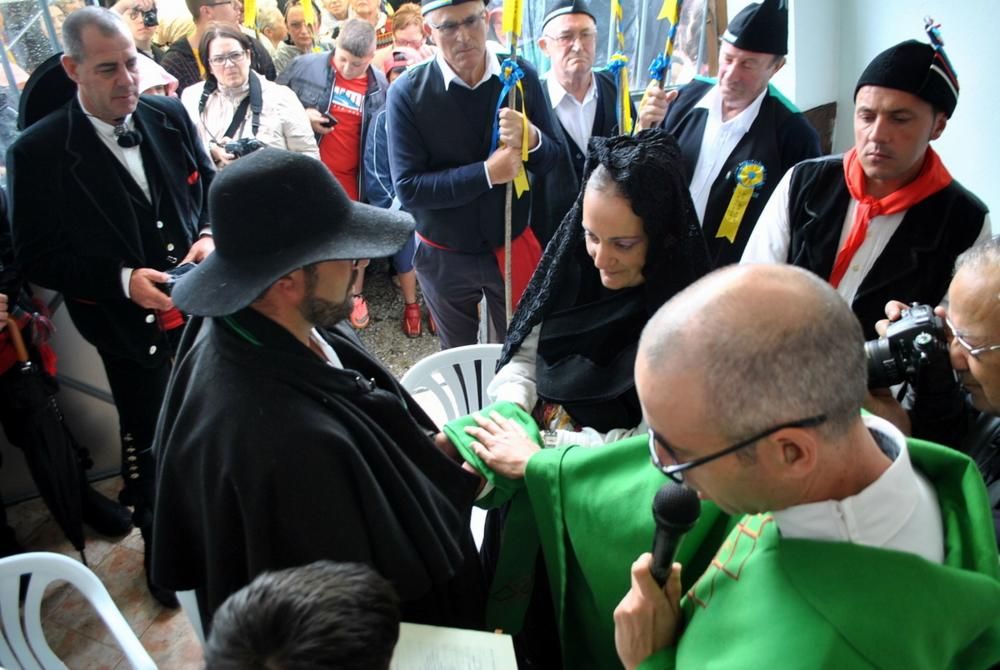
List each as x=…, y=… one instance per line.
x=760, y=27
x=430, y=5
x=273, y=212
x=561, y=7
x=917, y=68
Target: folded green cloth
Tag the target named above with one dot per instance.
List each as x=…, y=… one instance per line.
x=503, y=487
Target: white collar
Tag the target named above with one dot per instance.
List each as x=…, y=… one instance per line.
x=103, y=127
x=874, y=516
x=328, y=352
x=712, y=101
x=448, y=75
x=557, y=92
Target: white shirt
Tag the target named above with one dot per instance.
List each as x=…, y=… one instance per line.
x=899, y=510
x=332, y=359
x=131, y=160
x=576, y=117
x=717, y=142
x=771, y=237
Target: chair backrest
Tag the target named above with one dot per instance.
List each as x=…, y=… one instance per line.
x=23, y=643
x=457, y=378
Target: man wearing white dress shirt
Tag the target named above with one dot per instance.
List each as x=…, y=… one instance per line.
x=885, y=221
x=583, y=101
x=738, y=136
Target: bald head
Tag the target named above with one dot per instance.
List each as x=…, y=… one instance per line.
x=771, y=343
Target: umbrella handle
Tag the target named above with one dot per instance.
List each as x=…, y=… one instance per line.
x=17, y=341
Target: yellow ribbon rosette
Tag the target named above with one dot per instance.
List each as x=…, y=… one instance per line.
x=750, y=176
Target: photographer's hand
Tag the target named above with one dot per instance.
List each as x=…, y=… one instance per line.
x=220, y=156
x=199, y=250
x=143, y=289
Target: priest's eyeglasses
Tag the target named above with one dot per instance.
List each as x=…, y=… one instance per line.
x=677, y=470
x=975, y=352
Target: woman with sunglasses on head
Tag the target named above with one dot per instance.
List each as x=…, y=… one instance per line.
x=629, y=243
x=236, y=110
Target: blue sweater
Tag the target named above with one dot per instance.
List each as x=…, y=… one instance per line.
x=438, y=143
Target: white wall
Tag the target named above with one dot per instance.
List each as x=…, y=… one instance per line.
x=969, y=146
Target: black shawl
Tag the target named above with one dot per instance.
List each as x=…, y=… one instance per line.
x=648, y=169
x=269, y=458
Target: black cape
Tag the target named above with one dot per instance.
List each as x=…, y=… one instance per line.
x=269, y=458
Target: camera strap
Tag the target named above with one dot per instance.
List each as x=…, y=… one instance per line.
x=254, y=102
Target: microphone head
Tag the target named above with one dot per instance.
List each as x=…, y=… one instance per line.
x=676, y=506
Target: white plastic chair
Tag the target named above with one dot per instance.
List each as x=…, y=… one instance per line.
x=457, y=378
x=189, y=603
x=23, y=644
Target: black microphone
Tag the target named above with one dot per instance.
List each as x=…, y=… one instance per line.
x=675, y=511
x=127, y=138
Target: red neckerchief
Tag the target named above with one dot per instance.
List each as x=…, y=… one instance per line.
x=932, y=178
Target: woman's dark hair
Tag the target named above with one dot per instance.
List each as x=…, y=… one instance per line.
x=646, y=169
x=215, y=31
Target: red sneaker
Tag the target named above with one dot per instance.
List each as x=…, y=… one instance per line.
x=411, y=320
x=359, y=315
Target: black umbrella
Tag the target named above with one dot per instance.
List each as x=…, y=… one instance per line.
x=49, y=449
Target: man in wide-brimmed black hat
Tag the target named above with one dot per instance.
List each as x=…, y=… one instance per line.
x=737, y=135
x=281, y=440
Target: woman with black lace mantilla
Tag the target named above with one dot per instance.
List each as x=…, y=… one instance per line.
x=630, y=242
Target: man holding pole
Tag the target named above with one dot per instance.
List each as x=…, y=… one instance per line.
x=452, y=153
x=737, y=136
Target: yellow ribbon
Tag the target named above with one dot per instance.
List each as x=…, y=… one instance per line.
x=250, y=14
x=521, y=185
x=749, y=177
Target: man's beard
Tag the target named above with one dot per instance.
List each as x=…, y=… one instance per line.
x=325, y=313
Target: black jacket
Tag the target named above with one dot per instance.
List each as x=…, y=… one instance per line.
x=323, y=463
x=74, y=225
x=555, y=190
x=779, y=138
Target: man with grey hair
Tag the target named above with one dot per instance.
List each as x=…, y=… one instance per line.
x=124, y=201
x=842, y=515
x=342, y=93
x=962, y=408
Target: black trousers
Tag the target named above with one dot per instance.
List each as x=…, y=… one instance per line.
x=138, y=393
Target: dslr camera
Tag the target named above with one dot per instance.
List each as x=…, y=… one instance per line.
x=243, y=146
x=175, y=273
x=910, y=344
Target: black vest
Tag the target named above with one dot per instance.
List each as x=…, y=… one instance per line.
x=778, y=139
x=916, y=265
x=554, y=192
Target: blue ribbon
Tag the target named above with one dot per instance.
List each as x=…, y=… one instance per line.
x=510, y=74
x=617, y=61
x=658, y=67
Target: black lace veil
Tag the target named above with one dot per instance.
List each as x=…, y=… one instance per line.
x=649, y=171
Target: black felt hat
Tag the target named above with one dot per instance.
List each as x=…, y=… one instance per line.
x=760, y=27
x=47, y=89
x=427, y=6
x=273, y=212
x=561, y=7
x=917, y=68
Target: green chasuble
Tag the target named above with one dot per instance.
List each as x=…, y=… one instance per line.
x=590, y=511
x=768, y=602
x=593, y=510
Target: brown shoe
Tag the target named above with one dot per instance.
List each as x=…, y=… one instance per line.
x=411, y=320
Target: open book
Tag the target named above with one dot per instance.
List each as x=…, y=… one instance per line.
x=438, y=648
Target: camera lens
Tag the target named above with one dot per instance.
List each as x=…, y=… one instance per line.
x=883, y=370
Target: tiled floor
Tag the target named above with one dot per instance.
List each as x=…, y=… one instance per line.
x=74, y=631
